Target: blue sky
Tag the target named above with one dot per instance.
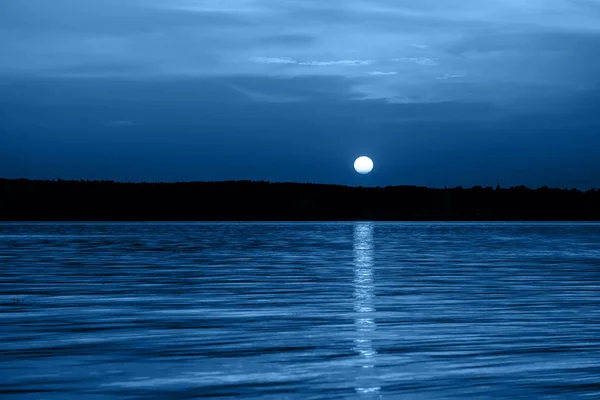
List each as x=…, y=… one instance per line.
x=436, y=92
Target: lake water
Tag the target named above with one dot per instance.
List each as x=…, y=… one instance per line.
x=300, y=311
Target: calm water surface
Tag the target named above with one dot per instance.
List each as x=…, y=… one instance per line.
x=300, y=311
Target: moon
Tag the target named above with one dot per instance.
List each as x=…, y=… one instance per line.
x=363, y=165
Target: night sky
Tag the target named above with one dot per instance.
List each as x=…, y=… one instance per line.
x=436, y=92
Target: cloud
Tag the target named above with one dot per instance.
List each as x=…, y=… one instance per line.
x=261, y=96
x=546, y=43
x=287, y=60
x=450, y=76
x=400, y=100
x=382, y=73
x=272, y=60
x=347, y=63
x=412, y=100
x=418, y=60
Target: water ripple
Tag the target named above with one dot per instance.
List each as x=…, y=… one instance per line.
x=300, y=311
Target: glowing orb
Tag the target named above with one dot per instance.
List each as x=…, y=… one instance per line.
x=363, y=165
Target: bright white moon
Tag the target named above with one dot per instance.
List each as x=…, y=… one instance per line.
x=363, y=165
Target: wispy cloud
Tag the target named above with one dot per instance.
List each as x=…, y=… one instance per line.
x=418, y=60
x=273, y=60
x=288, y=60
x=400, y=100
x=349, y=63
x=411, y=100
x=420, y=46
x=450, y=76
x=260, y=96
x=382, y=73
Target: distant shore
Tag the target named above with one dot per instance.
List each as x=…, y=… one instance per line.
x=61, y=200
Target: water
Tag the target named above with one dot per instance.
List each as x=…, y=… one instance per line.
x=300, y=311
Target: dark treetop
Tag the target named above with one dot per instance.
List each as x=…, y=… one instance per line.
x=58, y=200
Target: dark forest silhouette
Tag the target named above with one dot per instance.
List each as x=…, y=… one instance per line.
x=60, y=200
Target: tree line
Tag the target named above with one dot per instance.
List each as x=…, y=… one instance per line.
x=64, y=200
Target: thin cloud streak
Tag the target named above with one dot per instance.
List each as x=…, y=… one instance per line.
x=450, y=76
x=418, y=60
x=382, y=73
x=273, y=60
x=347, y=63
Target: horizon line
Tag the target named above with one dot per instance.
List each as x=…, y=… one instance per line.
x=498, y=186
